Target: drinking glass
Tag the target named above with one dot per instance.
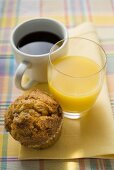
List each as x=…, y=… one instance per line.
x=75, y=75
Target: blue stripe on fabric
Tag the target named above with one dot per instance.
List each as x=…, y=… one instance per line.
x=83, y=9
x=110, y=64
x=2, y=5
x=107, y=164
x=17, y=10
x=72, y=10
x=93, y=164
x=6, y=62
x=11, y=67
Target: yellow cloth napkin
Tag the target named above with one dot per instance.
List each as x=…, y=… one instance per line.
x=90, y=136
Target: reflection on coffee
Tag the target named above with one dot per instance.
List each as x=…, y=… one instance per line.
x=37, y=43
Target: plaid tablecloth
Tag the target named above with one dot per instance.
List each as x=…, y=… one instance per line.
x=71, y=13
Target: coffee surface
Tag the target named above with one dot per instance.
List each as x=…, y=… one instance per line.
x=37, y=43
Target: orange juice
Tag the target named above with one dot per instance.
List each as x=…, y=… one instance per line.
x=74, y=82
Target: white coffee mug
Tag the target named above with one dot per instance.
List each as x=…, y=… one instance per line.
x=35, y=66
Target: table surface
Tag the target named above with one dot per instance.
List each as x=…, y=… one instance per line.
x=71, y=13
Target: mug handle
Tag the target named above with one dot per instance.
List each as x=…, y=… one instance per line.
x=19, y=74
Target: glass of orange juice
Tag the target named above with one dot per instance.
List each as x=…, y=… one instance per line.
x=75, y=75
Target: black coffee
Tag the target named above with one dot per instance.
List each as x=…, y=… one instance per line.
x=37, y=43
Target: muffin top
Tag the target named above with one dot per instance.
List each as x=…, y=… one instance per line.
x=33, y=118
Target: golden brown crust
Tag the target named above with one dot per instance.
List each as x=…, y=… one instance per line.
x=34, y=119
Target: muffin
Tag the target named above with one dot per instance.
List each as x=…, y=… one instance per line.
x=34, y=119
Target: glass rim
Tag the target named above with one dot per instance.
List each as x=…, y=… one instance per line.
x=78, y=37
